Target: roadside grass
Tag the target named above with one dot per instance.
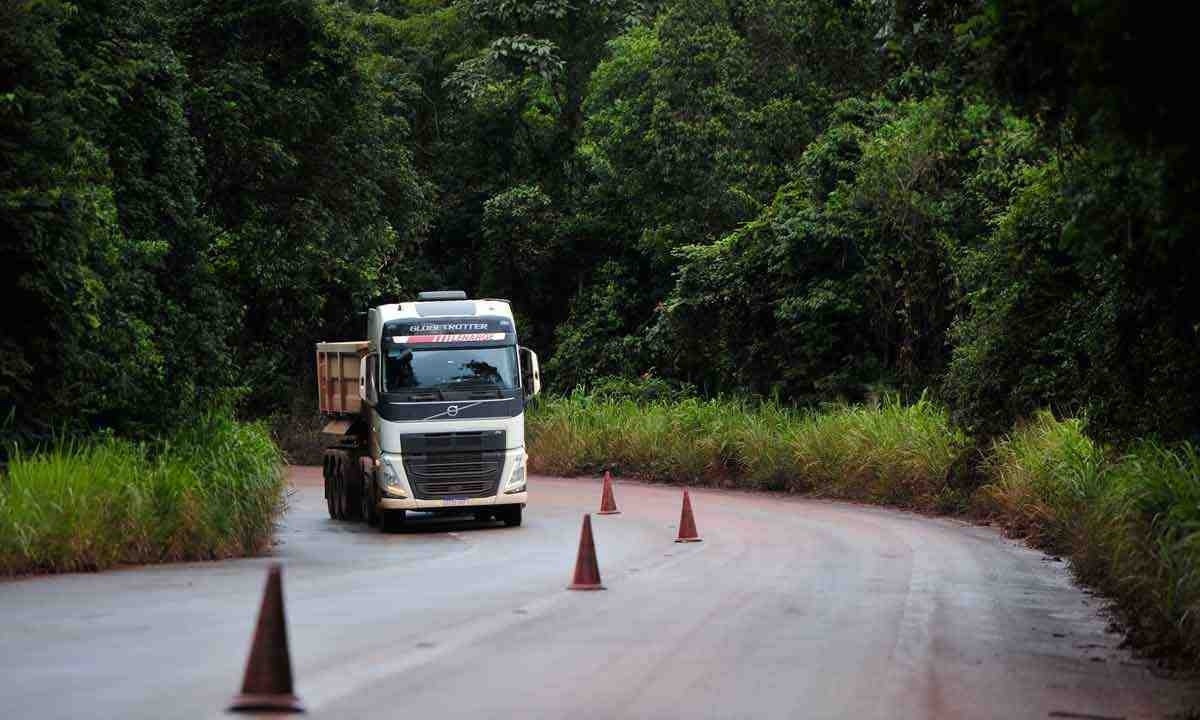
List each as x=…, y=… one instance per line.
x=211, y=491
x=1039, y=477
x=888, y=453
x=1129, y=521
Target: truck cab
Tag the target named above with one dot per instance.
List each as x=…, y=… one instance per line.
x=439, y=422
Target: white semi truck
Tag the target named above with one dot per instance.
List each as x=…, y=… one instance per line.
x=428, y=413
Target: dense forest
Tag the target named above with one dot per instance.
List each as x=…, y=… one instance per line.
x=994, y=201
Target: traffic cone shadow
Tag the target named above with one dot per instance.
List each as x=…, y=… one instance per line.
x=687, y=523
x=587, y=571
x=267, y=684
x=608, y=504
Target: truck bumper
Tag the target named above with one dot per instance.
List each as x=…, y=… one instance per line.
x=389, y=503
x=390, y=497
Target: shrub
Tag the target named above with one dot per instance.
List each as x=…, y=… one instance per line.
x=889, y=452
x=211, y=490
x=1130, y=522
x=1041, y=475
x=1142, y=543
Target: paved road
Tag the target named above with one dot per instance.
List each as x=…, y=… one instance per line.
x=791, y=608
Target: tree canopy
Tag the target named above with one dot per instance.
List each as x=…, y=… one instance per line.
x=810, y=199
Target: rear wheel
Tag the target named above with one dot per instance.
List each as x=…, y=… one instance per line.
x=511, y=515
x=391, y=521
x=339, y=486
x=352, y=487
x=342, y=501
x=343, y=484
x=330, y=493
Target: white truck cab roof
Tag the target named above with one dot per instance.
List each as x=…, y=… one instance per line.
x=377, y=317
x=445, y=308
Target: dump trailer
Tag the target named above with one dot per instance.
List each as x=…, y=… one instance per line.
x=427, y=413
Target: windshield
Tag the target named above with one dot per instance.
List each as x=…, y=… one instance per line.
x=450, y=373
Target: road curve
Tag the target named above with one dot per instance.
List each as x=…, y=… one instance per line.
x=790, y=608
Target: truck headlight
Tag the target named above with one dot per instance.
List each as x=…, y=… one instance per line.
x=516, y=479
x=390, y=480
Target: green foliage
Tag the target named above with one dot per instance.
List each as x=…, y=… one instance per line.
x=188, y=188
x=1039, y=476
x=1124, y=206
x=212, y=490
x=120, y=319
x=887, y=453
x=1054, y=321
x=1130, y=522
x=1157, y=578
x=691, y=124
x=306, y=171
x=795, y=198
x=847, y=279
x=643, y=389
x=891, y=453
x=595, y=342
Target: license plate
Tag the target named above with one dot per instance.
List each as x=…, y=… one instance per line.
x=455, y=500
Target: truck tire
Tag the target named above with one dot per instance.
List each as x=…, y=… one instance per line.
x=327, y=464
x=511, y=515
x=366, y=493
x=352, y=487
x=391, y=521
x=339, y=483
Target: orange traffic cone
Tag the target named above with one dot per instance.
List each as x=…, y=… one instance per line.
x=587, y=572
x=608, y=504
x=687, y=523
x=267, y=686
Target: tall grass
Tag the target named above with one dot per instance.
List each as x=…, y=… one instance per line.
x=890, y=452
x=1129, y=521
x=211, y=491
x=1040, y=476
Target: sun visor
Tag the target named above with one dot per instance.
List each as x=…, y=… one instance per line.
x=448, y=330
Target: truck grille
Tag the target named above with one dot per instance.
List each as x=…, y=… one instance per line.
x=467, y=475
x=460, y=443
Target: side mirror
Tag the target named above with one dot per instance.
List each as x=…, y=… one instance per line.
x=531, y=374
x=368, y=379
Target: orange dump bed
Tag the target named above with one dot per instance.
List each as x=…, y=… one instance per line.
x=337, y=377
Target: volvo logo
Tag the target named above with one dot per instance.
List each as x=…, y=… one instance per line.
x=452, y=411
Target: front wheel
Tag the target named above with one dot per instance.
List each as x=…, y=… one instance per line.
x=369, y=500
x=511, y=515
